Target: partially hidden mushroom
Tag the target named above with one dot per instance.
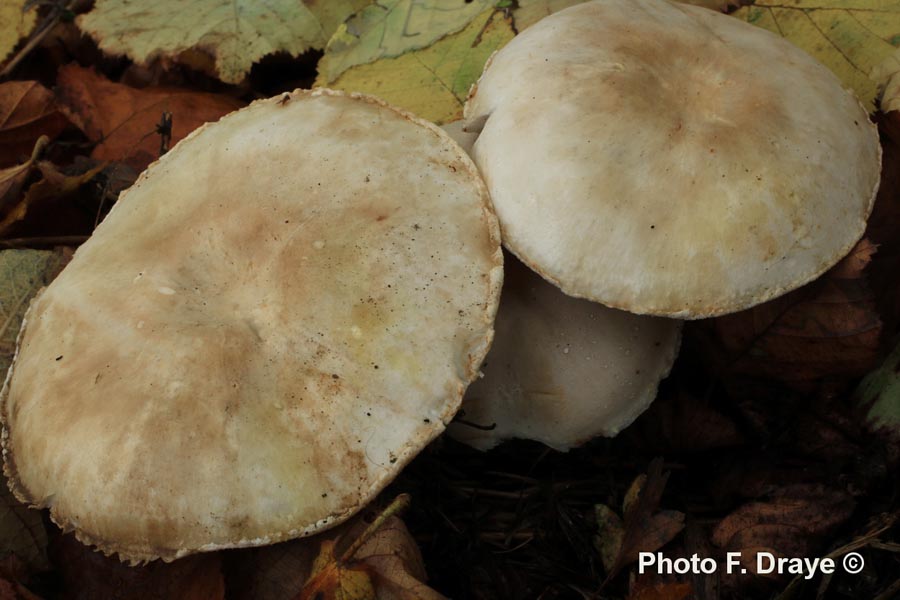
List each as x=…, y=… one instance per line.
x=277, y=316
x=563, y=370
x=670, y=160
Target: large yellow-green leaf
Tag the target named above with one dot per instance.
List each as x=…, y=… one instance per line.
x=432, y=82
x=389, y=28
x=851, y=37
x=529, y=12
x=15, y=24
x=236, y=33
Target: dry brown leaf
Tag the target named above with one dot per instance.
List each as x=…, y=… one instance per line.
x=682, y=423
x=397, y=569
x=88, y=574
x=123, y=120
x=662, y=591
x=53, y=186
x=791, y=522
x=13, y=179
x=389, y=558
x=376, y=561
x=336, y=578
x=28, y=111
x=646, y=528
x=828, y=329
x=13, y=590
x=22, y=532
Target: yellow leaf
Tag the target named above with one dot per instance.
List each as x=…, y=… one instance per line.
x=333, y=579
x=529, y=12
x=390, y=28
x=432, y=82
x=236, y=33
x=15, y=24
x=853, y=39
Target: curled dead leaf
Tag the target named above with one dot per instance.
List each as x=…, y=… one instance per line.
x=792, y=521
x=827, y=330
x=28, y=111
x=13, y=180
x=645, y=527
x=53, y=186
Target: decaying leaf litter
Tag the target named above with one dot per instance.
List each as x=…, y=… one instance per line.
x=763, y=426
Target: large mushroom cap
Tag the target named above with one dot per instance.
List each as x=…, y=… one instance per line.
x=279, y=314
x=563, y=370
x=667, y=159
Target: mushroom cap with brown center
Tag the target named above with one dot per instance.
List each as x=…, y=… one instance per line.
x=667, y=159
x=270, y=323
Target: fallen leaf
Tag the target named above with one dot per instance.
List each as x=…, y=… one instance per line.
x=827, y=330
x=884, y=222
x=123, y=120
x=53, y=186
x=433, y=82
x=645, y=527
x=13, y=590
x=371, y=561
x=682, y=423
x=22, y=274
x=28, y=111
x=390, y=28
x=851, y=40
x=15, y=24
x=878, y=398
x=13, y=179
x=608, y=539
x=88, y=574
x=529, y=12
x=336, y=578
x=792, y=522
x=22, y=532
x=662, y=591
x=234, y=33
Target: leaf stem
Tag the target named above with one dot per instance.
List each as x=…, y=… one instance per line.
x=400, y=504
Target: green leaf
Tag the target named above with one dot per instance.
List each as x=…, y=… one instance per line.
x=879, y=395
x=390, y=28
x=236, y=33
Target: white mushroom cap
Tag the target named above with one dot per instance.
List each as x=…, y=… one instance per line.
x=277, y=317
x=667, y=159
x=564, y=370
